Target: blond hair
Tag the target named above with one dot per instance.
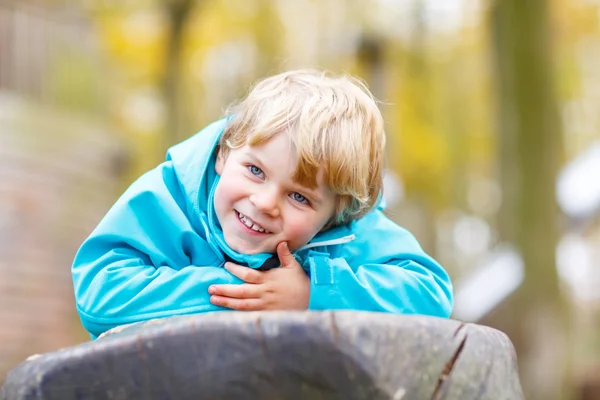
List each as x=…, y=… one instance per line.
x=334, y=124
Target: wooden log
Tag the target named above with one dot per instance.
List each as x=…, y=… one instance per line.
x=588, y=386
x=278, y=355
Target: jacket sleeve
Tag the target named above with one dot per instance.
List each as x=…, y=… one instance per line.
x=384, y=270
x=144, y=260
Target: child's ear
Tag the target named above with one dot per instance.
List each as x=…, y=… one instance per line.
x=221, y=158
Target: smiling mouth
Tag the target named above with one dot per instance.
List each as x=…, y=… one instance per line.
x=250, y=224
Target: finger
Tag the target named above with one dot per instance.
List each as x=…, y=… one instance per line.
x=285, y=256
x=238, y=304
x=245, y=291
x=246, y=274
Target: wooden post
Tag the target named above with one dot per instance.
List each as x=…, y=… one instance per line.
x=278, y=355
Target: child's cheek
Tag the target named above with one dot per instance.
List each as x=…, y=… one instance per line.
x=300, y=230
x=229, y=185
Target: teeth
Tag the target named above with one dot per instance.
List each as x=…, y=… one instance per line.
x=248, y=222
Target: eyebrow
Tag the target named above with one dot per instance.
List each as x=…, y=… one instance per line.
x=256, y=160
x=314, y=196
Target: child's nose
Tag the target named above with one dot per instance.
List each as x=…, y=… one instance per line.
x=267, y=202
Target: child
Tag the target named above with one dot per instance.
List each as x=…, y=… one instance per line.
x=275, y=207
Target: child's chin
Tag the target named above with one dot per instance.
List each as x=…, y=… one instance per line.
x=261, y=250
x=240, y=248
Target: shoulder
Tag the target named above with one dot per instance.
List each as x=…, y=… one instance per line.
x=377, y=225
x=379, y=240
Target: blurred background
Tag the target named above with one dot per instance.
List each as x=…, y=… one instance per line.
x=493, y=120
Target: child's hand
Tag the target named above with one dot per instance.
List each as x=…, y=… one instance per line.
x=283, y=288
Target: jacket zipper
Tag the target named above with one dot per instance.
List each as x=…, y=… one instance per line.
x=342, y=240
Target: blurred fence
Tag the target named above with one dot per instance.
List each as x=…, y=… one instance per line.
x=29, y=38
x=58, y=176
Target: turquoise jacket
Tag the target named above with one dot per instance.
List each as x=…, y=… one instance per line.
x=160, y=247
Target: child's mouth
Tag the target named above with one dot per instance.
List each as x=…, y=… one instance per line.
x=251, y=225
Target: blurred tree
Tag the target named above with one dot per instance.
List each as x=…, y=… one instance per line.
x=370, y=53
x=177, y=12
x=529, y=155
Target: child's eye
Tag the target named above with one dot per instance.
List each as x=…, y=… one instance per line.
x=254, y=170
x=299, y=198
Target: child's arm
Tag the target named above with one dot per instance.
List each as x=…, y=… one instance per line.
x=385, y=269
x=144, y=260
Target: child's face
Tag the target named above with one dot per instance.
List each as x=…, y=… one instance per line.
x=259, y=205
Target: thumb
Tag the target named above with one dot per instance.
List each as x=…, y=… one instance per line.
x=285, y=256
